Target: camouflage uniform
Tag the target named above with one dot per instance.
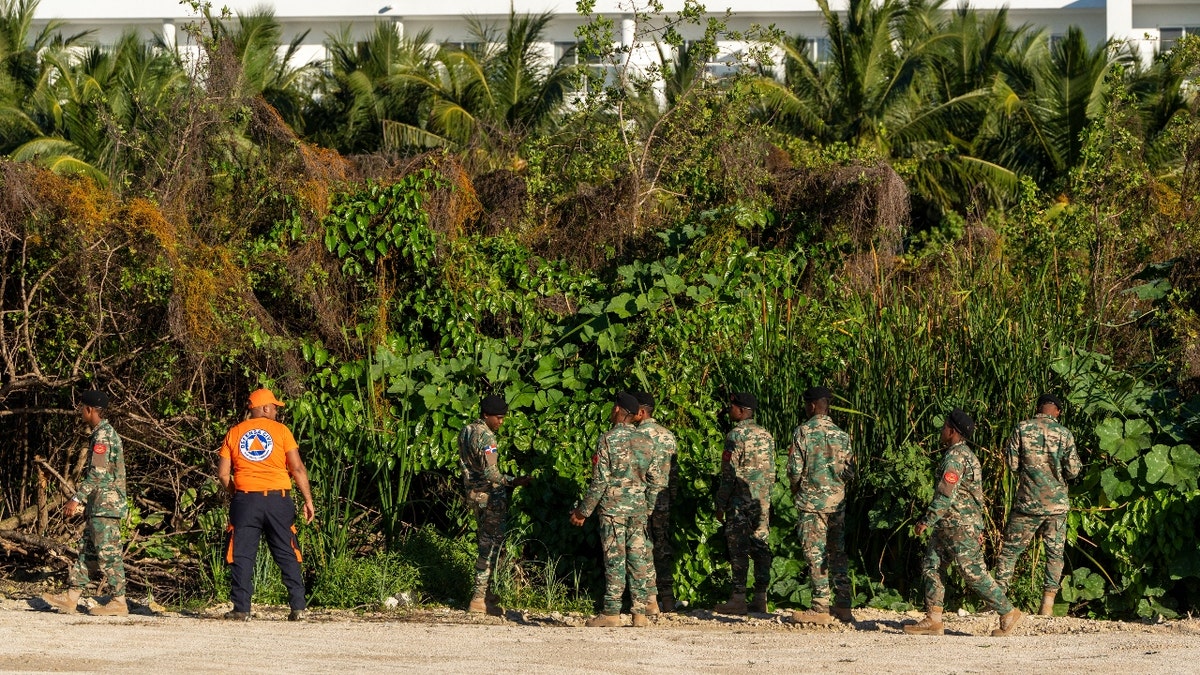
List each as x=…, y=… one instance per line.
x=955, y=519
x=658, y=539
x=487, y=493
x=103, y=494
x=747, y=473
x=622, y=478
x=1042, y=453
x=819, y=464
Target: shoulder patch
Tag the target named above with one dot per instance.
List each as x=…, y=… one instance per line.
x=489, y=450
x=595, y=459
x=99, y=448
x=950, y=477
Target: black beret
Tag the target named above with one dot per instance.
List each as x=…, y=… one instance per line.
x=94, y=398
x=816, y=394
x=627, y=401
x=493, y=405
x=744, y=399
x=961, y=422
x=1049, y=398
x=644, y=398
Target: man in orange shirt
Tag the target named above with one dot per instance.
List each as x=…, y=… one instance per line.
x=264, y=459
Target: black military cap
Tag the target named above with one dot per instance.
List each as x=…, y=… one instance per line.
x=961, y=422
x=493, y=405
x=816, y=394
x=94, y=398
x=645, y=399
x=1049, y=398
x=743, y=399
x=627, y=401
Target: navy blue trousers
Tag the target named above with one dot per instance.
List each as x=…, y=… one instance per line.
x=252, y=515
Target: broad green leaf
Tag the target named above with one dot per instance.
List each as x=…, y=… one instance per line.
x=1158, y=465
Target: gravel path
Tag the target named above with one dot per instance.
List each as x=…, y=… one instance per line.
x=449, y=641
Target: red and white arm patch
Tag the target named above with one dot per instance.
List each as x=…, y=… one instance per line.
x=595, y=459
x=489, y=450
x=99, y=448
x=950, y=477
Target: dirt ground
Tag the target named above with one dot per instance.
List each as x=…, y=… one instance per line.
x=440, y=640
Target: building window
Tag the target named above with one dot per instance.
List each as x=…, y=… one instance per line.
x=598, y=72
x=817, y=49
x=1169, y=36
x=716, y=66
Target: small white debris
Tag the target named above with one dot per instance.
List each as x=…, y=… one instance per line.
x=391, y=603
x=963, y=613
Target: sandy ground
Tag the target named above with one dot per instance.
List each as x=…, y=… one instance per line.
x=33, y=638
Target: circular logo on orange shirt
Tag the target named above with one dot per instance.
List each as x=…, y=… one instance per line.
x=256, y=445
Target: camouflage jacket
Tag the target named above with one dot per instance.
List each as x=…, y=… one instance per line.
x=1042, y=453
x=958, y=499
x=662, y=461
x=622, y=474
x=103, y=485
x=819, y=464
x=747, y=466
x=477, y=457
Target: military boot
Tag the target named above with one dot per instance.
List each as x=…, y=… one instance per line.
x=818, y=614
x=604, y=621
x=1008, y=622
x=736, y=605
x=759, y=604
x=477, y=606
x=64, y=602
x=930, y=625
x=114, y=607
x=640, y=621
x=1047, y=608
x=493, y=604
x=652, y=606
x=843, y=614
x=666, y=602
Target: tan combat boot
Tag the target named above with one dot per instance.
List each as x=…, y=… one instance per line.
x=64, y=602
x=818, y=614
x=843, y=614
x=1008, y=622
x=114, y=607
x=666, y=602
x=1047, y=603
x=759, y=604
x=493, y=604
x=640, y=621
x=604, y=621
x=652, y=606
x=736, y=605
x=930, y=625
x=477, y=606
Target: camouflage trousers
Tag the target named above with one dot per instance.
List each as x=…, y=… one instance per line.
x=625, y=561
x=1021, y=530
x=960, y=546
x=746, y=532
x=100, y=551
x=658, y=547
x=818, y=533
x=491, y=515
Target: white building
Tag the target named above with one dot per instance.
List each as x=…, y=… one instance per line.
x=1150, y=23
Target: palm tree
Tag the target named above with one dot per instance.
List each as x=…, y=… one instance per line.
x=365, y=89
x=491, y=98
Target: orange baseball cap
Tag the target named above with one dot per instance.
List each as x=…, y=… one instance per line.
x=263, y=397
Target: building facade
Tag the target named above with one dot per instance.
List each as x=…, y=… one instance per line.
x=1151, y=24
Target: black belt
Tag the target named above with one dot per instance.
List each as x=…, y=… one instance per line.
x=266, y=493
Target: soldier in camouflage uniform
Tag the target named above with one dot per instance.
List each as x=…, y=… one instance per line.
x=487, y=493
x=622, y=479
x=819, y=465
x=744, y=503
x=102, y=492
x=658, y=534
x=1042, y=453
x=955, y=519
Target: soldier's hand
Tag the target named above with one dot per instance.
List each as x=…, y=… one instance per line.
x=920, y=529
x=71, y=508
x=522, y=481
x=577, y=518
